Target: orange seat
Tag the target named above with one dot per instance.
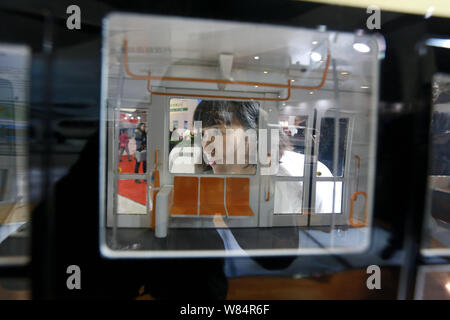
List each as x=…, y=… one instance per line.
x=185, y=195
x=211, y=196
x=238, y=193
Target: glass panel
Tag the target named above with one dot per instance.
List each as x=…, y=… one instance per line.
x=235, y=76
x=288, y=197
x=433, y=283
x=131, y=196
x=14, y=200
x=292, y=145
x=326, y=147
x=324, y=197
x=437, y=231
x=181, y=136
x=228, y=144
x=132, y=140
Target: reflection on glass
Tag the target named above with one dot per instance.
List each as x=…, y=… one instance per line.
x=288, y=197
x=433, y=283
x=437, y=233
x=131, y=196
x=292, y=145
x=228, y=141
x=14, y=74
x=200, y=193
x=324, y=197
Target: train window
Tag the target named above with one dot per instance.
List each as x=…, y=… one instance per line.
x=14, y=199
x=326, y=147
x=257, y=136
x=228, y=136
x=324, y=197
x=181, y=135
x=437, y=227
x=288, y=197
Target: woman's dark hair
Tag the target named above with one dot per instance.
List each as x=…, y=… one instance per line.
x=224, y=112
x=217, y=112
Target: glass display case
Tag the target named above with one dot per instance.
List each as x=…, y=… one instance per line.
x=240, y=133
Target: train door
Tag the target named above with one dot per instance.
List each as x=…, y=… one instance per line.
x=127, y=142
x=290, y=197
x=128, y=160
x=310, y=136
x=330, y=182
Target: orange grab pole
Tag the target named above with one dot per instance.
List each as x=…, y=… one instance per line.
x=352, y=202
x=249, y=83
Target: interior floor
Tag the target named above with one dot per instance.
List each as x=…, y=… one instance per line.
x=247, y=238
x=265, y=238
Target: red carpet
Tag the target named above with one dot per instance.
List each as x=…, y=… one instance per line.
x=129, y=188
x=126, y=166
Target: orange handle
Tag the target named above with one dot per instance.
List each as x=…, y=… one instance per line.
x=359, y=161
x=267, y=198
x=353, y=197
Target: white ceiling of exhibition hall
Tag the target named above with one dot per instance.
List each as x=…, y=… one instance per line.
x=174, y=41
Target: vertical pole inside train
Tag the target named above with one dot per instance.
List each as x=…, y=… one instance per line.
x=115, y=162
x=313, y=173
x=335, y=145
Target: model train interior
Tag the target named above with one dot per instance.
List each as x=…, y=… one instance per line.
x=274, y=149
x=233, y=127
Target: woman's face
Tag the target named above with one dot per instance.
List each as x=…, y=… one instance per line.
x=230, y=163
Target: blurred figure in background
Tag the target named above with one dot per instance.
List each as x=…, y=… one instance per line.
x=141, y=149
x=124, y=139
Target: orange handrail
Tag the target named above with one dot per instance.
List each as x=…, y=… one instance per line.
x=289, y=86
x=352, y=201
x=214, y=96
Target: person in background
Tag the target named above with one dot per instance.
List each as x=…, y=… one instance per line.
x=124, y=139
x=141, y=146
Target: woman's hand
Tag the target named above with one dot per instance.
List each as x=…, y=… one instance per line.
x=219, y=222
